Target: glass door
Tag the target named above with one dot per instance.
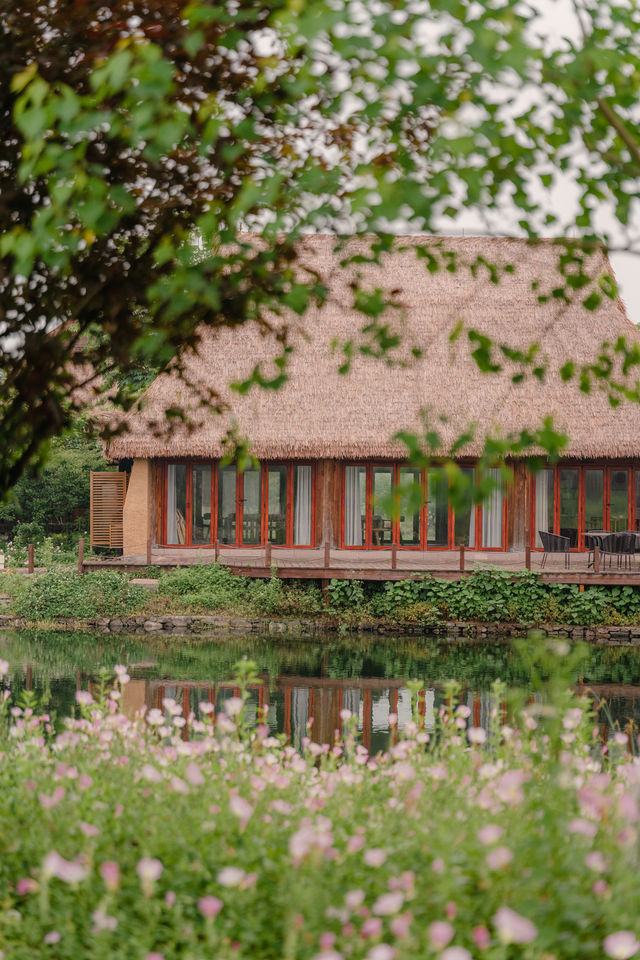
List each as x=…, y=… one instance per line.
x=594, y=499
x=437, y=508
x=200, y=505
x=465, y=515
x=251, y=507
x=544, y=504
x=409, y=522
x=381, y=521
x=618, y=500
x=355, y=506
x=227, y=504
x=570, y=505
x=277, y=494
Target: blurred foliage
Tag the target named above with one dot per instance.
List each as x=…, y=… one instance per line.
x=142, y=139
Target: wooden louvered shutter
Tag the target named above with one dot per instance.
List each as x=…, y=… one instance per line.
x=108, y=491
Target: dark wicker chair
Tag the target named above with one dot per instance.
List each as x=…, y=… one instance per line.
x=593, y=539
x=622, y=546
x=554, y=543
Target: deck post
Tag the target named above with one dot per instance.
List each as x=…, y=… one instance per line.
x=394, y=556
x=149, y=552
x=527, y=557
x=596, y=559
x=81, y=555
x=267, y=554
x=216, y=549
x=30, y=565
x=327, y=554
x=462, y=556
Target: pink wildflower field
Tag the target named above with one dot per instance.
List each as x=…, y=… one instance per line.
x=121, y=837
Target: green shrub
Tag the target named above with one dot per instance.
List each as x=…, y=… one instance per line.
x=26, y=533
x=65, y=593
x=204, y=586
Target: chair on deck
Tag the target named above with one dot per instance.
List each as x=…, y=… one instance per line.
x=620, y=545
x=554, y=543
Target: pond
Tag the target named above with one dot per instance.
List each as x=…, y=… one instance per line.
x=303, y=679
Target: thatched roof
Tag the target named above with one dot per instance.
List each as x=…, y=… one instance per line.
x=321, y=413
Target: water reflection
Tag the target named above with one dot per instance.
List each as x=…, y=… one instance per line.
x=305, y=681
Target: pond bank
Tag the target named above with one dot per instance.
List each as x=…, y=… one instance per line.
x=187, y=625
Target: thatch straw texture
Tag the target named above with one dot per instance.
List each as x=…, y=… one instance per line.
x=320, y=413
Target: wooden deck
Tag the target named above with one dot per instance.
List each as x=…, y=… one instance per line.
x=324, y=564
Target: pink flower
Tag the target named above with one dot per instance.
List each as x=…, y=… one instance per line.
x=84, y=698
x=498, y=858
x=596, y=861
x=110, y=873
x=621, y=945
x=354, y=844
x=354, y=899
x=233, y=706
x=149, y=870
x=4, y=668
x=327, y=940
x=440, y=934
x=450, y=910
x=513, y=928
x=193, y=775
x=210, y=907
x=88, y=829
x=49, y=802
x=388, y=904
x=26, y=885
x=169, y=898
x=52, y=937
x=375, y=858
x=68, y=871
x=455, y=953
x=489, y=834
x=481, y=937
x=585, y=827
x=154, y=955
x=477, y=735
x=241, y=809
x=401, y=924
x=381, y=951
x=600, y=887
x=230, y=876
x=372, y=927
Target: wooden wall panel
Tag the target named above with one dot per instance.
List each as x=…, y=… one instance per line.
x=107, y=494
x=518, y=525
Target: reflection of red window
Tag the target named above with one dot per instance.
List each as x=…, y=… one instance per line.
x=205, y=502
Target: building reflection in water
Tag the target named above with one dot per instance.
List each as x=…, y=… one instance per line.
x=291, y=702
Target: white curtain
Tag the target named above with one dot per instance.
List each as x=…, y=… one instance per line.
x=299, y=715
x=352, y=509
x=542, y=503
x=172, y=520
x=302, y=507
x=472, y=525
x=492, y=513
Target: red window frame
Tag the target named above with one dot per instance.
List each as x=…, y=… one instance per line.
x=396, y=466
x=607, y=467
x=264, y=517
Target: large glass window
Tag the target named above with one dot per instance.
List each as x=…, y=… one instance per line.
x=437, y=508
x=594, y=499
x=176, y=503
x=569, y=505
x=251, y=507
x=302, y=503
x=200, y=504
x=492, y=513
x=544, y=504
x=227, y=504
x=381, y=522
x=409, y=522
x=465, y=515
x=619, y=501
x=355, y=506
x=277, y=492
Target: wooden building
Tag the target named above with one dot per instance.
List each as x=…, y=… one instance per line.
x=325, y=440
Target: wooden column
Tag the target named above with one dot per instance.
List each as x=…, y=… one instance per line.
x=394, y=556
x=596, y=559
x=267, y=554
x=149, y=551
x=527, y=557
x=462, y=556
